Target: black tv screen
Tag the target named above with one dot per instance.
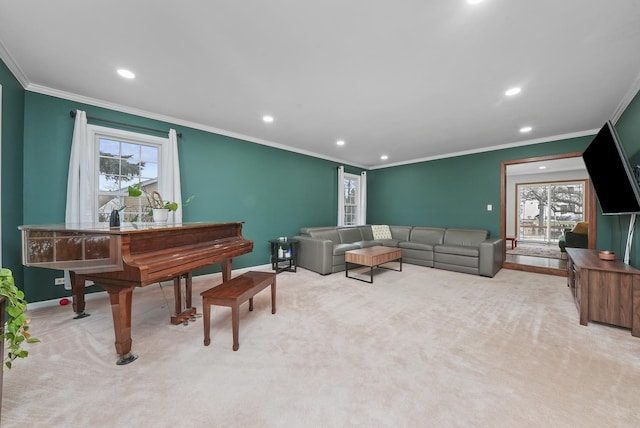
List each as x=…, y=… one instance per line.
x=611, y=174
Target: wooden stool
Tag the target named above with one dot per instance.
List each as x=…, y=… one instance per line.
x=233, y=293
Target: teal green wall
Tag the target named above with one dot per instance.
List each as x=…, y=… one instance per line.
x=451, y=192
x=12, y=167
x=628, y=127
x=275, y=192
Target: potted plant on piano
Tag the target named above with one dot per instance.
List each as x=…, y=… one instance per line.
x=15, y=333
x=158, y=207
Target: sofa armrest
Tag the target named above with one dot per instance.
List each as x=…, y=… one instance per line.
x=490, y=257
x=315, y=254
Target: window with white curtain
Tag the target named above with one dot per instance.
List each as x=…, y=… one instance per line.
x=123, y=159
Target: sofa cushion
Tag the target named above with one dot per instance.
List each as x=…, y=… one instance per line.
x=389, y=242
x=309, y=230
x=381, y=231
x=427, y=235
x=331, y=234
x=350, y=234
x=365, y=244
x=456, y=263
x=416, y=245
x=339, y=249
x=465, y=237
x=367, y=234
x=400, y=233
x=458, y=250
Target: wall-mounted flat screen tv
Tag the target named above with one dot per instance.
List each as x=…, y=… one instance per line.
x=611, y=174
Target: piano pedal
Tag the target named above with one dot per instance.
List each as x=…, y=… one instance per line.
x=185, y=322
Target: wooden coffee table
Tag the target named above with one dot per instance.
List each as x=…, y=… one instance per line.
x=372, y=257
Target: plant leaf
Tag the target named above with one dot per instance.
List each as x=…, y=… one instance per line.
x=135, y=191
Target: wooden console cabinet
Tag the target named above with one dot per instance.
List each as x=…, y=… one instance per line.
x=604, y=291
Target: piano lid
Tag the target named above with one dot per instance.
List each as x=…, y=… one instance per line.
x=124, y=229
x=98, y=247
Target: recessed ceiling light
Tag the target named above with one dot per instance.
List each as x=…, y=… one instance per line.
x=340, y=142
x=513, y=91
x=267, y=119
x=526, y=129
x=126, y=73
x=384, y=157
x=542, y=167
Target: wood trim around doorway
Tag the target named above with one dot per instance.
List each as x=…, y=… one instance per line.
x=591, y=201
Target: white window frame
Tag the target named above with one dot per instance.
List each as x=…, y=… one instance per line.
x=355, y=179
x=361, y=197
x=95, y=132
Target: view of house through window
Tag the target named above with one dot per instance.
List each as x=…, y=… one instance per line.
x=351, y=189
x=121, y=164
x=545, y=210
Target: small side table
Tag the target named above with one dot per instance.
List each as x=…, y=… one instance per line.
x=514, y=241
x=287, y=261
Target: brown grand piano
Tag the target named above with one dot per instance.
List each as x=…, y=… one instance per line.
x=133, y=255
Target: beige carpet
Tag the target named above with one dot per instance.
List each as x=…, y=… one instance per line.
x=420, y=348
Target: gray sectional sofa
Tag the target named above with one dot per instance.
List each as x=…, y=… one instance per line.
x=463, y=250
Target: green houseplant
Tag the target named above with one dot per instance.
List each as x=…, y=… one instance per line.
x=16, y=331
x=155, y=201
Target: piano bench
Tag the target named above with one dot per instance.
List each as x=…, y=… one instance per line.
x=233, y=293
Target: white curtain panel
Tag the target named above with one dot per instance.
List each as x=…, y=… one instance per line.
x=362, y=215
x=170, y=175
x=81, y=180
x=80, y=183
x=340, y=196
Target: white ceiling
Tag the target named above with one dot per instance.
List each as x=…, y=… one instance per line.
x=412, y=79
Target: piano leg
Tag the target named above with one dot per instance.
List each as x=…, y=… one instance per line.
x=78, y=290
x=225, y=267
x=182, y=315
x=120, y=298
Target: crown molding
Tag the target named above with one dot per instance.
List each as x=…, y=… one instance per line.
x=498, y=147
x=13, y=66
x=626, y=100
x=178, y=122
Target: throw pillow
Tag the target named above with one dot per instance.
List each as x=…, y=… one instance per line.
x=582, y=227
x=381, y=231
